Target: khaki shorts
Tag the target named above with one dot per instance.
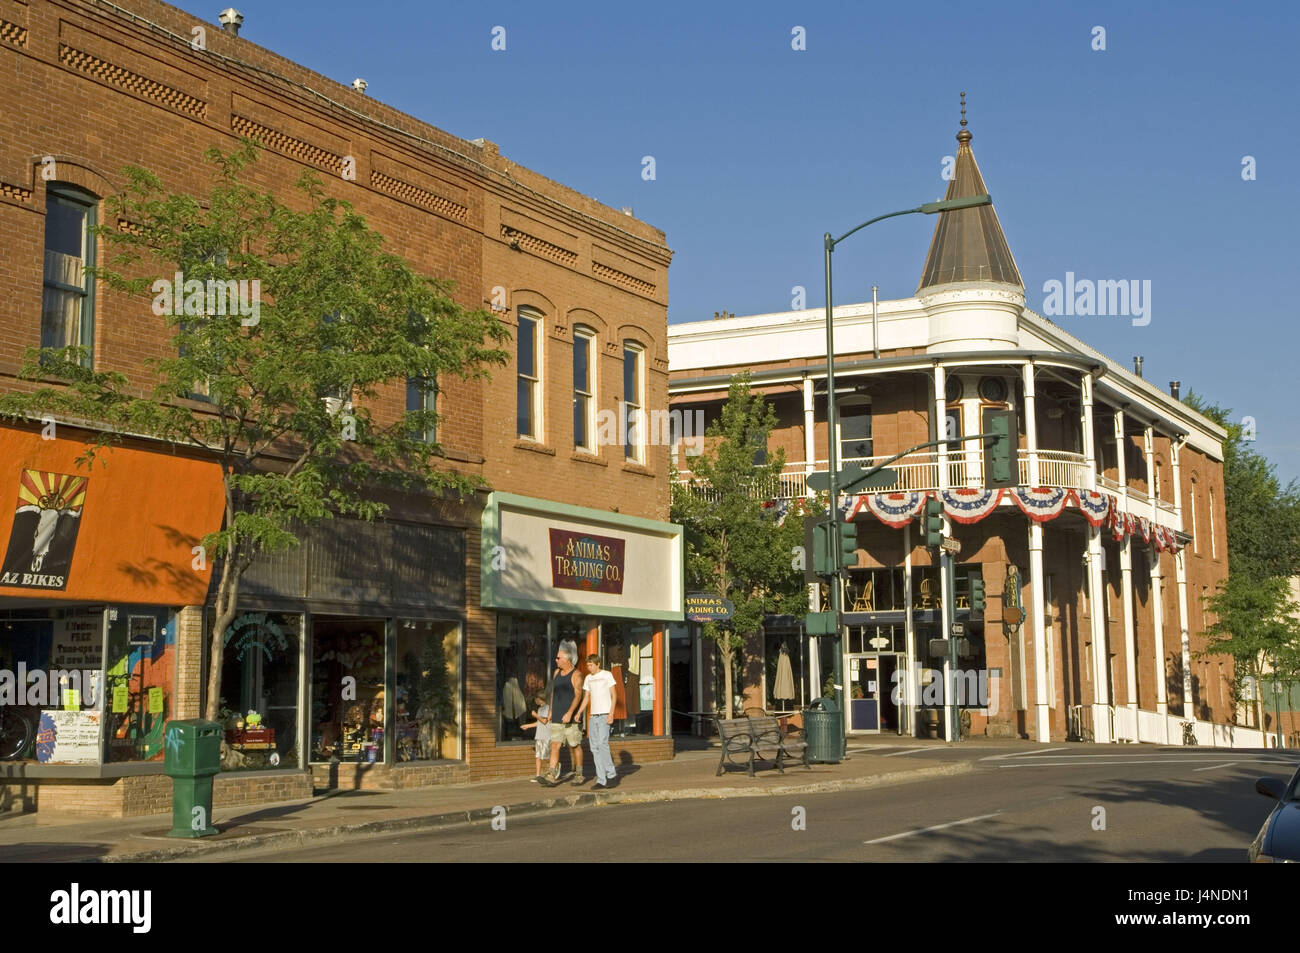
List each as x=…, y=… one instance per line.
x=570, y=734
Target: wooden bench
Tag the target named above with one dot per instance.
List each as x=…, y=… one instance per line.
x=759, y=738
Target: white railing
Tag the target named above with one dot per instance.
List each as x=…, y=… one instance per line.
x=1151, y=727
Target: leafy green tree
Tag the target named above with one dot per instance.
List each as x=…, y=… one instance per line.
x=1256, y=623
x=285, y=389
x=735, y=548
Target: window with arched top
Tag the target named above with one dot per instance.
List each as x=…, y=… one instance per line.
x=584, y=389
x=1196, y=542
x=634, y=426
x=68, y=297
x=1214, y=545
x=528, y=389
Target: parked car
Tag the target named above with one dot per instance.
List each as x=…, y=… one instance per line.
x=1278, y=841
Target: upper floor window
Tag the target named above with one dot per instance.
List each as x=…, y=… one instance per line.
x=634, y=398
x=584, y=406
x=529, y=386
x=855, y=429
x=1214, y=546
x=68, y=303
x=1196, y=542
x=422, y=396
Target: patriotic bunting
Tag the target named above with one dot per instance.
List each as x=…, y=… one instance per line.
x=1094, y=506
x=970, y=506
x=895, y=510
x=1041, y=503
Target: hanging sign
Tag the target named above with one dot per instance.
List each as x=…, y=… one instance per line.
x=706, y=607
x=1013, y=613
x=586, y=561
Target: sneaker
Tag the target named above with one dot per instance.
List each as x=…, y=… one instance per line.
x=579, y=782
x=536, y=778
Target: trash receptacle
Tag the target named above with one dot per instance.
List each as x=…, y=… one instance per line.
x=192, y=757
x=824, y=725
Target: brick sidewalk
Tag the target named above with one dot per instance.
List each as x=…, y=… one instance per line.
x=691, y=774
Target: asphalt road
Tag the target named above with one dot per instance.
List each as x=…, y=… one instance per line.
x=1075, y=804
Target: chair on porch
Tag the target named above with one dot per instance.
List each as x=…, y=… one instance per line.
x=862, y=599
x=927, y=594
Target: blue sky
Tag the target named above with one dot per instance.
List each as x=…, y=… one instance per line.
x=1117, y=164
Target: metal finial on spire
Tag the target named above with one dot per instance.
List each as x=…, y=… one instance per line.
x=963, y=109
x=963, y=135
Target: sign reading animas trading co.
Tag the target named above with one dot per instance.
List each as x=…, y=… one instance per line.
x=585, y=561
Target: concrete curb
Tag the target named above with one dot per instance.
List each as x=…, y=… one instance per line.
x=290, y=839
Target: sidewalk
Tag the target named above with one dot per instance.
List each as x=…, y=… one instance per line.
x=55, y=838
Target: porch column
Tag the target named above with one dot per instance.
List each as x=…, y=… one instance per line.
x=1180, y=575
x=909, y=629
x=941, y=428
x=1043, y=705
x=1157, y=583
x=1096, y=592
x=809, y=429
x=1126, y=572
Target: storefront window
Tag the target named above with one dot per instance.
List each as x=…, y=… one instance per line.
x=524, y=656
x=51, y=681
x=786, y=661
x=427, y=690
x=259, y=690
x=347, y=689
x=628, y=649
x=141, y=675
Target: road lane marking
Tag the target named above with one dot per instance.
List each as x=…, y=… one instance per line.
x=1018, y=754
x=1089, y=764
x=937, y=827
x=1226, y=764
x=895, y=754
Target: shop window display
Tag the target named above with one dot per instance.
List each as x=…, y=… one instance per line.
x=140, y=671
x=347, y=690
x=259, y=691
x=524, y=664
x=628, y=649
x=426, y=688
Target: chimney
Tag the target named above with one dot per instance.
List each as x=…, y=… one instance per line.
x=1137, y=366
x=360, y=85
x=1173, y=389
x=231, y=20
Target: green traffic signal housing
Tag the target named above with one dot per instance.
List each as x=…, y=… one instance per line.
x=822, y=564
x=977, y=600
x=848, y=545
x=932, y=522
x=999, y=454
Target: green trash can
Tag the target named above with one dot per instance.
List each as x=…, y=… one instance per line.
x=192, y=757
x=824, y=725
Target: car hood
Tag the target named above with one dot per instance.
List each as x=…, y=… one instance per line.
x=1284, y=837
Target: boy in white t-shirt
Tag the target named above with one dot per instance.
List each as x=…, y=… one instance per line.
x=542, y=743
x=598, y=702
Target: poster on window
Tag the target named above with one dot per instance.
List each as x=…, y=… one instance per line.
x=78, y=640
x=68, y=737
x=44, y=534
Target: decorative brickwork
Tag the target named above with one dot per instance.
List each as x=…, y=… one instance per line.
x=140, y=85
x=614, y=275
x=15, y=192
x=287, y=145
x=538, y=246
x=12, y=33
x=418, y=196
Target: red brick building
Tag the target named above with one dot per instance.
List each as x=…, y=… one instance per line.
x=1115, y=525
x=91, y=87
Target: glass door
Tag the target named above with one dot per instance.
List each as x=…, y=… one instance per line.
x=864, y=688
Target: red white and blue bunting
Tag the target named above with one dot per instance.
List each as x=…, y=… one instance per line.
x=1041, y=503
x=970, y=506
x=1094, y=506
x=895, y=510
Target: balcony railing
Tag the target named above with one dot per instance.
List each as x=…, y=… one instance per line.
x=920, y=471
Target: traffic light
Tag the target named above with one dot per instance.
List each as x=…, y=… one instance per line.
x=999, y=453
x=932, y=522
x=976, y=593
x=848, y=545
x=821, y=550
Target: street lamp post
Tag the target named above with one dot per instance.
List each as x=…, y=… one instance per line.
x=829, y=243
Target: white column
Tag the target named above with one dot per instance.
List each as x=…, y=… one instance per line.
x=1180, y=575
x=941, y=425
x=809, y=428
x=1157, y=588
x=913, y=663
x=1096, y=592
x=1126, y=573
x=1043, y=704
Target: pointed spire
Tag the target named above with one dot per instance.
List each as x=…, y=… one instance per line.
x=968, y=244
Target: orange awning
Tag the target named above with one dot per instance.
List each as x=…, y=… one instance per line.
x=120, y=530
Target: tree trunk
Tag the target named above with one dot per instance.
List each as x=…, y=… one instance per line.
x=227, y=597
x=727, y=654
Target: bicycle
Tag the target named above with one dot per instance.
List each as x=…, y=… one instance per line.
x=17, y=732
x=1189, y=734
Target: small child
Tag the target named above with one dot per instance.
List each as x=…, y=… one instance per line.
x=542, y=744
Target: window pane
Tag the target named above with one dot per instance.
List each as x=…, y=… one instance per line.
x=628, y=650
x=140, y=671
x=427, y=690
x=527, y=339
x=630, y=390
x=581, y=347
x=855, y=432
x=259, y=673
x=524, y=664
x=579, y=420
x=64, y=227
x=525, y=406
x=343, y=726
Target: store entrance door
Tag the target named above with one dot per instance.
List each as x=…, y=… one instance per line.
x=872, y=681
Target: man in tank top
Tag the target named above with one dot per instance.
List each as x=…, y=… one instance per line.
x=566, y=694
